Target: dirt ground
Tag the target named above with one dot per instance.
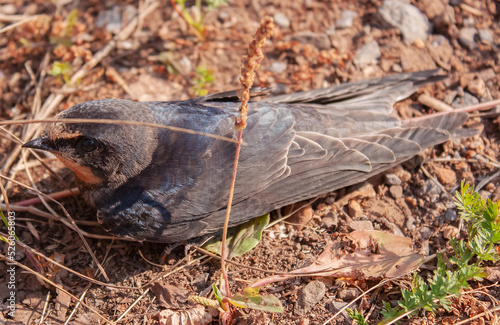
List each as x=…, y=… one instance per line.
x=316, y=44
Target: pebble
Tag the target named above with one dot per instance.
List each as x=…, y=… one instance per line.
x=425, y=233
x=477, y=87
x=412, y=23
x=410, y=223
x=396, y=191
x=355, y=210
x=451, y=215
x=330, y=220
x=467, y=100
x=367, y=54
x=336, y=306
x=319, y=40
x=347, y=19
x=278, y=67
x=485, y=36
x=431, y=189
x=309, y=296
x=446, y=176
x=361, y=225
x=349, y=294
x=466, y=37
x=392, y=179
x=281, y=20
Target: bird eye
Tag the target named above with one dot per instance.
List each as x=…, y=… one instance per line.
x=87, y=145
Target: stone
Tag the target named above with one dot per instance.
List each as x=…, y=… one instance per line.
x=446, y=176
x=396, y=191
x=355, y=210
x=466, y=37
x=347, y=19
x=361, y=225
x=281, y=20
x=466, y=100
x=410, y=223
x=392, y=179
x=412, y=23
x=367, y=54
x=451, y=215
x=319, y=40
x=349, y=294
x=309, y=296
x=425, y=233
x=330, y=220
x=485, y=36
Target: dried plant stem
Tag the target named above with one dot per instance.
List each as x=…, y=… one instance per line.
x=250, y=63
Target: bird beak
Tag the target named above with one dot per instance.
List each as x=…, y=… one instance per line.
x=41, y=143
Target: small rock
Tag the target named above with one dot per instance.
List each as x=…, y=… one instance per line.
x=468, y=21
x=396, y=191
x=361, y=225
x=397, y=68
x=451, y=215
x=392, y=179
x=477, y=87
x=431, y=188
x=407, y=18
x=349, y=294
x=309, y=296
x=485, y=36
x=281, y=20
x=346, y=20
x=355, y=210
x=301, y=217
x=410, y=223
x=319, y=40
x=336, y=306
x=450, y=232
x=446, y=176
x=467, y=100
x=466, y=37
x=425, y=233
x=330, y=220
x=487, y=74
x=367, y=54
x=278, y=67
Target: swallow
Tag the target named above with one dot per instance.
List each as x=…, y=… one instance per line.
x=159, y=185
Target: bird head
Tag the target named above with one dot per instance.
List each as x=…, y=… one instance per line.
x=101, y=154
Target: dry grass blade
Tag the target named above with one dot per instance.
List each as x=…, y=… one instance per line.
x=119, y=122
x=20, y=21
x=55, y=285
x=250, y=62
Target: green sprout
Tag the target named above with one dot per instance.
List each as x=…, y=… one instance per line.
x=202, y=81
x=195, y=20
x=62, y=70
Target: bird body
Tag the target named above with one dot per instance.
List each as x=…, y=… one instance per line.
x=165, y=186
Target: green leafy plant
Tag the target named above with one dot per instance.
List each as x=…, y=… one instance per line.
x=356, y=316
x=195, y=20
x=62, y=70
x=65, y=38
x=483, y=228
x=204, y=78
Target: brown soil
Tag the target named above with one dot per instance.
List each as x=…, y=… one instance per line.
x=136, y=69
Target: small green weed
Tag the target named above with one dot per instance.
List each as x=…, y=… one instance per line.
x=483, y=227
x=62, y=70
x=195, y=20
x=205, y=77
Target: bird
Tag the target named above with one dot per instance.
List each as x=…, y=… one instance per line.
x=160, y=185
